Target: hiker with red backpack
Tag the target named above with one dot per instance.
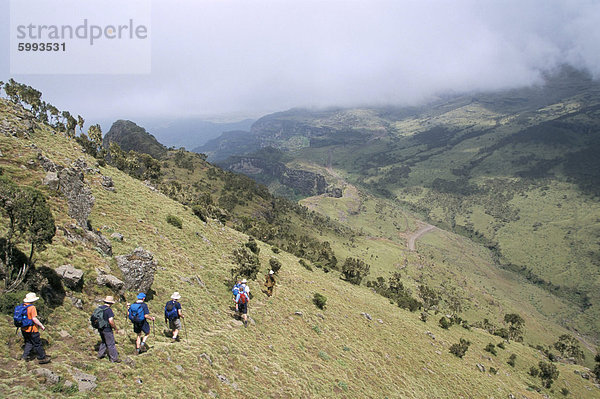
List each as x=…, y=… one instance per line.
x=242, y=299
x=173, y=315
x=139, y=314
x=25, y=317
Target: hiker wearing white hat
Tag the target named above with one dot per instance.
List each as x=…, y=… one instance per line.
x=242, y=300
x=270, y=283
x=173, y=316
x=25, y=316
x=103, y=319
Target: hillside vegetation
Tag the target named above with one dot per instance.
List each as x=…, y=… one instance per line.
x=359, y=345
x=515, y=171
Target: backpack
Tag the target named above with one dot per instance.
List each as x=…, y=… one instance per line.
x=136, y=312
x=171, y=312
x=235, y=290
x=97, y=318
x=243, y=297
x=20, y=316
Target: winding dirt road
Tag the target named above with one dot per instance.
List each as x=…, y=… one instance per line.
x=418, y=234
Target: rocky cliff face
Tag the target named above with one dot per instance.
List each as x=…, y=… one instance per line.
x=303, y=181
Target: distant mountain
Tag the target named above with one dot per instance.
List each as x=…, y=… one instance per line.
x=190, y=133
x=228, y=144
x=130, y=136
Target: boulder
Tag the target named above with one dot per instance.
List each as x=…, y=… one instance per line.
x=86, y=382
x=107, y=183
x=49, y=376
x=79, y=196
x=117, y=236
x=47, y=164
x=481, y=367
x=51, y=180
x=98, y=240
x=71, y=276
x=109, y=280
x=138, y=268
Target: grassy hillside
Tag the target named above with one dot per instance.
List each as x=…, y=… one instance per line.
x=515, y=171
x=335, y=352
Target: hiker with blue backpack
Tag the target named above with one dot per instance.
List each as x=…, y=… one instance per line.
x=103, y=319
x=25, y=317
x=173, y=315
x=139, y=315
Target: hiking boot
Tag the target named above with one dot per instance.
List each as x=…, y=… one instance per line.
x=246, y=323
x=173, y=340
x=137, y=351
x=44, y=360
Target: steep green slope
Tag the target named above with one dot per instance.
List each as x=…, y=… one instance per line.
x=318, y=353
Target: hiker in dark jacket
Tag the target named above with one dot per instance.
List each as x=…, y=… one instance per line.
x=106, y=332
x=270, y=283
x=140, y=326
x=30, y=331
x=173, y=315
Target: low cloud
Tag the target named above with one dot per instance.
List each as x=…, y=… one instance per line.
x=250, y=57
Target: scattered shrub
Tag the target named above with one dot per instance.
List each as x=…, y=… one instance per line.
x=511, y=360
x=465, y=325
x=568, y=346
x=252, y=245
x=424, y=316
x=491, y=348
x=534, y=371
x=461, y=348
x=323, y=355
x=548, y=373
x=445, y=323
x=175, y=221
x=247, y=263
x=564, y=391
x=319, y=300
x=275, y=250
x=354, y=270
x=200, y=212
x=493, y=370
x=501, y=345
x=275, y=265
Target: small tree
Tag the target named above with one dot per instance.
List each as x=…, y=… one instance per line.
x=461, y=348
x=515, y=328
x=247, y=263
x=29, y=220
x=568, y=346
x=275, y=265
x=252, y=245
x=429, y=296
x=491, y=348
x=354, y=270
x=548, y=373
x=80, y=123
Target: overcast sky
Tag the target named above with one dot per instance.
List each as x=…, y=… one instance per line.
x=250, y=57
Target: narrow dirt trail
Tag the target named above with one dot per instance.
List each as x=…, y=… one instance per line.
x=412, y=239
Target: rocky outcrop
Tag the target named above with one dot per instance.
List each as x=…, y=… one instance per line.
x=79, y=195
x=71, y=276
x=303, y=181
x=107, y=183
x=47, y=164
x=138, y=269
x=109, y=280
x=99, y=241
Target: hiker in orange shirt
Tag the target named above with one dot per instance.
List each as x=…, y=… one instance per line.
x=26, y=317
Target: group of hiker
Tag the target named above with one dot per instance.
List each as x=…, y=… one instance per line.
x=103, y=319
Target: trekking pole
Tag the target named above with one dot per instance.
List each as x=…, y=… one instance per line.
x=153, y=329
